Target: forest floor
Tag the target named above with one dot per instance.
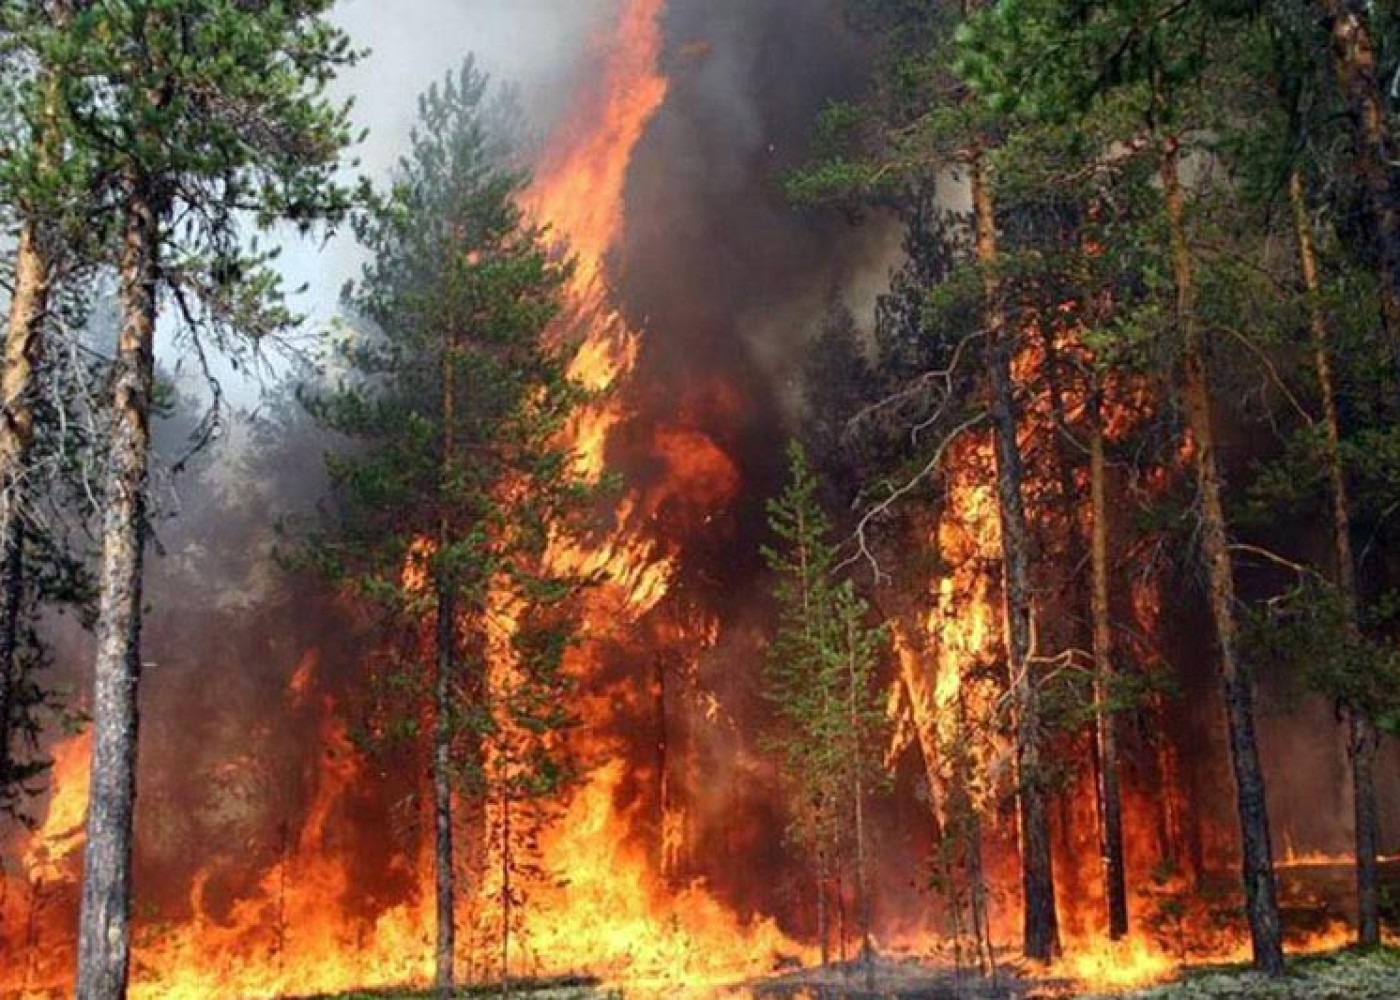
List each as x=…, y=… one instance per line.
x=1345, y=975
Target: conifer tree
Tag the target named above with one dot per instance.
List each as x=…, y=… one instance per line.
x=49, y=190
x=209, y=120
x=459, y=477
x=1052, y=63
x=819, y=675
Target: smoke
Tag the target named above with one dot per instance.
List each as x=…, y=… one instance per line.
x=727, y=282
x=534, y=47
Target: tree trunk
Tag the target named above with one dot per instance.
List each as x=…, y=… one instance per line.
x=1376, y=153
x=104, y=931
x=867, y=949
x=1362, y=740
x=442, y=792
x=1041, y=929
x=1105, y=730
x=445, y=978
x=1260, y=890
x=11, y=601
x=507, y=899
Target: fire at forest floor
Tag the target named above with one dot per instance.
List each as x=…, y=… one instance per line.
x=1344, y=975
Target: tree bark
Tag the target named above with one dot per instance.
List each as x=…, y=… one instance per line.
x=104, y=931
x=863, y=901
x=1260, y=890
x=445, y=978
x=1363, y=740
x=1375, y=150
x=1041, y=927
x=11, y=601
x=1105, y=729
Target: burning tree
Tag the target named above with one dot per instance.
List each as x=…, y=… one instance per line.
x=820, y=678
x=458, y=480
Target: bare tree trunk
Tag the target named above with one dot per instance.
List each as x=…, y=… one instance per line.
x=977, y=894
x=11, y=602
x=1260, y=889
x=104, y=920
x=1041, y=930
x=445, y=977
x=863, y=903
x=1363, y=741
x=823, y=932
x=507, y=901
x=1105, y=727
x=1375, y=150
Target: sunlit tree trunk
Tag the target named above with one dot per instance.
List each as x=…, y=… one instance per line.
x=1376, y=151
x=104, y=931
x=1362, y=741
x=1105, y=730
x=1261, y=894
x=1041, y=930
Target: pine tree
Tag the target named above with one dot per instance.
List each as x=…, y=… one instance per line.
x=819, y=676
x=207, y=119
x=1052, y=63
x=459, y=478
x=46, y=185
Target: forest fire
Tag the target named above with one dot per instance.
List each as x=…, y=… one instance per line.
x=598, y=902
x=290, y=855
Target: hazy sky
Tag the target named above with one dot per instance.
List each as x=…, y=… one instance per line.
x=412, y=43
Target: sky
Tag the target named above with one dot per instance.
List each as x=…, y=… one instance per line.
x=534, y=44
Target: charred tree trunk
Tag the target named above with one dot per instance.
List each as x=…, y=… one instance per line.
x=1375, y=149
x=1105, y=727
x=1260, y=889
x=11, y=601
x=444, y=875
x=867, y=950
x=1363, y=741
x=104, y=921
x=507, y=899
x=1041, y=931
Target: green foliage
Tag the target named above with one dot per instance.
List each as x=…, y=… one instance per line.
x=217, y=112
x=1051, y=61
x=455, y=478
x=819, y=672
x=1309, y=630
